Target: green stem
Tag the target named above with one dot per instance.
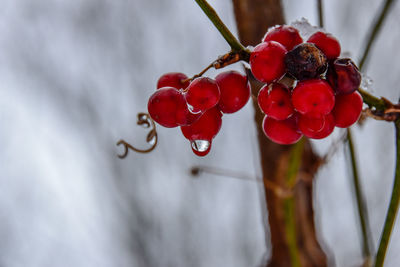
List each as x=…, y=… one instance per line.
x=225, y=32
x=393, y=206
x=320, y=13
x=289, y=203
x=374, y=31
x=361, y=204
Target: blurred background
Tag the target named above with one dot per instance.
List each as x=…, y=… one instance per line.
x=73, y=76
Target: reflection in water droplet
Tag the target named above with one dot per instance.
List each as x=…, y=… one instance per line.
x=201, y=147
x=192, y=110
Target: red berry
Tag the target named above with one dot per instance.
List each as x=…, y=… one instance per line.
x=317, y=127
x=267, y=61
x=235, y=91
x=206, y=127
x=276, y=103
x=287, y=36
x=328, y=44
x=313, y=97
x=201, y=147
x=173, y=79
x=343, y=76
x=167, y=106
x=282, y=132
x=202, y=94
x=347, y=109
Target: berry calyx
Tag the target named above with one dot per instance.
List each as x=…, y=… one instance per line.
x=282, y=132
x=313, y=97
x=347, y=109
x=177, y=80
x=235, y=91
x=267, y=61
x=206, y=127
x=287, y=36
x=276, y=102
x=305, y=61
x=317, y=127
x=328, y=44
x=343, y=76
x=167, y=106
x=202, y=94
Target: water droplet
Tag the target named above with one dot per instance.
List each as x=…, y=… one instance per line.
x=201, y=147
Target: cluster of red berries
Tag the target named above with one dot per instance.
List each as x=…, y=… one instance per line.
x=197, y=105
x=322, y=92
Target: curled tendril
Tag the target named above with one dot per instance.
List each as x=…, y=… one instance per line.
x=144, y=120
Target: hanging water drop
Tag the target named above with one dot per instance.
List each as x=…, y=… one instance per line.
x=201, y=147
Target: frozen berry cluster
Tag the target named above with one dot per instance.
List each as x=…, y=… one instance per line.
x=322, y=90
x=197, y=105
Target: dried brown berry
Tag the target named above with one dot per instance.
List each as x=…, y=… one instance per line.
x=305, y=61
x=343, y=76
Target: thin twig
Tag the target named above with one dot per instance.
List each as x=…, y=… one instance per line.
x=320, y=13
x=393, y=206
x=221, y=27
x=289, y=205
x=360, y=199
x=374, y=32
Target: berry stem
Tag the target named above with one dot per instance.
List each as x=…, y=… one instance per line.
x=361, y=204
x=221, y=27
x=374, y=32
x=393, y=206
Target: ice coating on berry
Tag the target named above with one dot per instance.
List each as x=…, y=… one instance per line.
x=282, y=132
x=287, y=36
x=305, y=61
x=267, y=61
x=317, y=127
x=343, y=76
x=173, y=79
x=203, y=93
x=201, y=147
x=305, y=28
x=206, y=127
x=167, y=106
x=347, y=109
x=313, y=97
x=328, y=44
x=275, y=102
x=235, y=91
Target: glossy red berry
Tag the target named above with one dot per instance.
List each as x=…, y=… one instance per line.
x=343, y=76
x=287, y=36
x=167, y=106
x=313, y=97
x=267, y=61
x=317, y=127
x=235, y=91
x=347, y=109
x=276, y=102
x=328, y=44
x=173, y=79
x=206, y=127
x=202, y=94
x=282, y=132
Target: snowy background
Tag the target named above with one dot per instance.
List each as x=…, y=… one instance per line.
x=73, y=76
